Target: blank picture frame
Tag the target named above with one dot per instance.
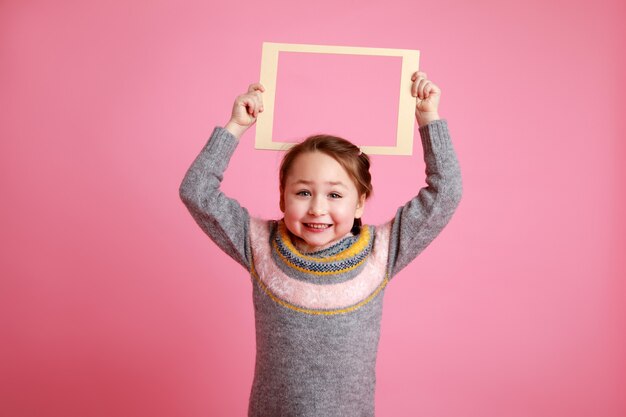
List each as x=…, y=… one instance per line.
x=406, y=108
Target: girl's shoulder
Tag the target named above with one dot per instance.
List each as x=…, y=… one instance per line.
x=261, y=229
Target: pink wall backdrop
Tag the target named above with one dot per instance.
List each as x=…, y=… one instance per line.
x=114, y=303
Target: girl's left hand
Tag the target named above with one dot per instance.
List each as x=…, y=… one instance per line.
x=428, y=95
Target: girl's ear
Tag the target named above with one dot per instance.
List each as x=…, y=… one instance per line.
x=360, y=207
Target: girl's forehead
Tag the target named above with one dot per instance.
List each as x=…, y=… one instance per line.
x=318, y=167
x=316, y=161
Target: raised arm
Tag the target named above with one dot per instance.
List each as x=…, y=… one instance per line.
x=221, y=217
x=419, y=221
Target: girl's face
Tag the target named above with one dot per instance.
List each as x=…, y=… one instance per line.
x=321, y=200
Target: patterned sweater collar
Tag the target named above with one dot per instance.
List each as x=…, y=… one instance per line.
x=346, y=255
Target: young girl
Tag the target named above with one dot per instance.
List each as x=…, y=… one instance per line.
x=318, y=276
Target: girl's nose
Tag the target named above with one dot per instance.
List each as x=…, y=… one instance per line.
x=317, y=207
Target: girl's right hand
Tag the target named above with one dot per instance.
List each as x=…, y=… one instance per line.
x=246, y=109
x=427, y=96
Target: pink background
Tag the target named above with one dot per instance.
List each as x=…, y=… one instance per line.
x=114, y=303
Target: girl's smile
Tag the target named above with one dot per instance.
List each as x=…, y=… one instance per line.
x=319, y=227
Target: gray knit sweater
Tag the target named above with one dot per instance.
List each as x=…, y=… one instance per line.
x=318, y=314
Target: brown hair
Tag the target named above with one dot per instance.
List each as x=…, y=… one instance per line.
x=348, y=155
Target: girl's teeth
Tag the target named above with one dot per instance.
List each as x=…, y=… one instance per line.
x=317, y=226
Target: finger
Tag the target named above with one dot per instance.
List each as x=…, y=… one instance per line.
x=257, y=105
x=417, y=87
x=259, y=98
x=428, y=89
x=258, y=102
x=414, y=87
x=256, y=87
x=420, y=88
x=249, y=104
x=261, y=106
x=417, y=74
x=257, y=110
x=420, y=78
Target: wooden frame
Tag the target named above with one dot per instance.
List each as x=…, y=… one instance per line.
x=406, y=113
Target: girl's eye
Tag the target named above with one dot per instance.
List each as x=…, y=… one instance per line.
x=303, y=193
x=334, y=195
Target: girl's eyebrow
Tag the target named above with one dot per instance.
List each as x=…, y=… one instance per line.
x=306, y=182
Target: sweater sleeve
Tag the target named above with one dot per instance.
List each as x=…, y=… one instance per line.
x=220, y=217
x=419, y=221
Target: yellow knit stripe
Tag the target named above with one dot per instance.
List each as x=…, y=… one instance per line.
x=317, y=312
x=353, y=250
x=308, y=271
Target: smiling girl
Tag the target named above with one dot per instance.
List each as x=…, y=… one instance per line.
x=318, y=274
